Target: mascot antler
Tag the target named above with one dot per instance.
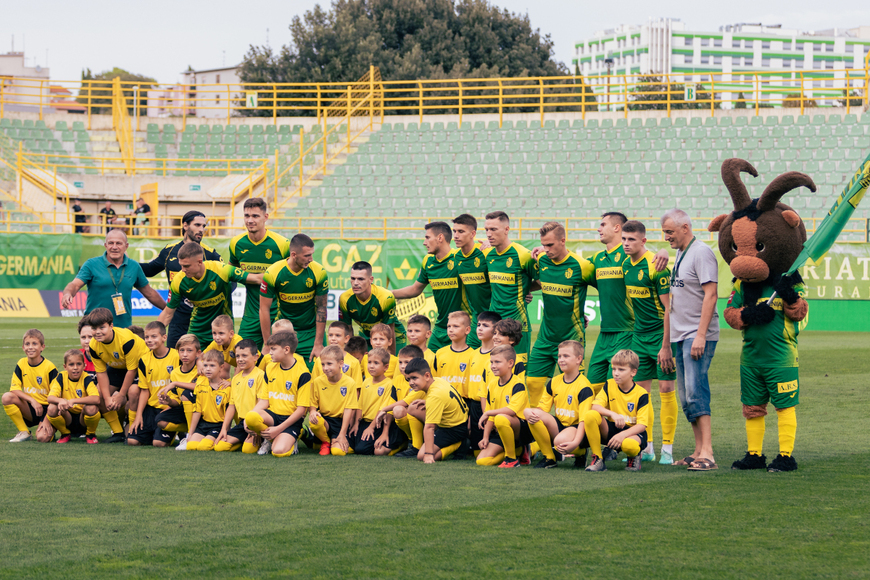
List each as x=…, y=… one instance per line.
x=731, y=169
x=780, y=186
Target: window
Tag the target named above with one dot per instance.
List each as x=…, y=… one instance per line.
x=705, y=42
x=217, y=78
x=799, y=46
x=217, y=99
x=735, y=44
x=829, y=64
x=688, y=59
x=765, y=62
x=817, y=48
x=850, y=48
x=765, y=44
x=786, y=45
x=829, y=84
x=786, y=62
x=818, y=63
x=829, y=48
x=705, y=60
x=717, y=60
x=717, y=42
x=747, y=61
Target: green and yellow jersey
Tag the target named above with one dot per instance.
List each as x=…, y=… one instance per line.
x=331, y=399
x=444, y=406
x=65, y=388
x=372, y=398
x=229, y=350
x=643, y=286
x=511, y=394
x=474, y=278
x=774, y=344
x=615, y=307
x=295, y=292
x=255, y=258
x=379, y=308
x=210, y=296
x=510, y=274
x=123, y=352
x=453, y=367
x=563, y=289
x=155, y=373
x=211, y=402
x=571, y=400
x=243, y=391
x=443, y=277
x=34, y=380
x=283, y=388
x=634, y=404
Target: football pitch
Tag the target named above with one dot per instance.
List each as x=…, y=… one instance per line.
x=80, y=511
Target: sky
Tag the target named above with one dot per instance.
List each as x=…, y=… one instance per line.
x=160, y=38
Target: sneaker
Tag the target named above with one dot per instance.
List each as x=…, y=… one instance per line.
x=648, y=456
x=307, y=437
x=265, y=447
x=633, y=464
x=526, y=457
x=21, y=436
x=411, y=452
x=546, y=463
x=91, y=439
x=667, y=459
x=580, y=460
x=509, y=463
x=119, y=438
x=325, y=448
x=182, y=445
x=65, y=438
x=296, y=448
x=750, y=461
x=782, y=463
x=610, y=454
x=597, y=464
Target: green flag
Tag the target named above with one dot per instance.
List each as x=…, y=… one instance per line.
x=830, y=228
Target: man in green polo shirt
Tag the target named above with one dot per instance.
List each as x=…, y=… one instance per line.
x=110, y=279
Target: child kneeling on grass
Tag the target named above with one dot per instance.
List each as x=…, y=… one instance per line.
x=26, y=402
x=212, y=399
x=626, y=407
x=73, y=401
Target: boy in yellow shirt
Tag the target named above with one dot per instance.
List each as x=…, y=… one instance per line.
x=382, y=336
x=339, y=334
x=73, y=400
x=397, y=408
x=626, y=407
x=478, y=375
x=26, y=402
x=330, y=399
x=357, y=347
x=376, y=393
x=453, y=362
x=179, y=396
x=419, y=331
x=155, y=369
x=224, y=340
x=247, y=382
x=212, y=400
x=441, y=410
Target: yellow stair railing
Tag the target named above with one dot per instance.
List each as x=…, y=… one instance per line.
x=122, y=124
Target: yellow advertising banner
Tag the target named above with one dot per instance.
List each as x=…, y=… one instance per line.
x=21, y=304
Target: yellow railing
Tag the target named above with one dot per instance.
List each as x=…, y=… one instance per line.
x=142, y=165
x=166, y=226
x=121, y=123
x=245, y=188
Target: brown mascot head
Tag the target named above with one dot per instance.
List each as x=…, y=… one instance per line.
x=762, y=237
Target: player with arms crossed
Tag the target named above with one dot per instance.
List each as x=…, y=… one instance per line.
x=368, y=304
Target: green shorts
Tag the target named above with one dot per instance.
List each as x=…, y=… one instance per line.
x=607, y=345
x=647, y=347
x=439, y=339
x=544, y=358
x=525, y=345
x=779, y=385
x=306, y=343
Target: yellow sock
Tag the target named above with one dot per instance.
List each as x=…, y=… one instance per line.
x=320, y=430
x=535, y=387
x=597, y=387
x=15, y=414
x=755, y=435
x=227, y=446
x=534, y=448
x=111, y=418
x=91, y=423
x=249, y=448
x=205, y=445
x=254, y=421
x=132, y=416
x=403, y=425
x=193, y=445
x=591, y=424
x=490, y=461
x=503, y=426
x=449, y=450
x=396, y=450
x=188, y=411
x=787, y=426
x=175, y=427
x=336, y=450
x=668, y=417
x=287, y=454
x=542, y=438
x=59, y=423
x=416, y=427
x=630, y=447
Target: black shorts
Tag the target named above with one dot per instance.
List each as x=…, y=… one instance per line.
x=475, y=433
x=612, y=430
x=447, y=436
x=172, y=415
x=77, y=425
x=179, y=324
x=238, y=432
x=563, y=427
x=149, y=431
x=524, y=438
x=395, y=438
x=207, y=429
x=293, y=430
x=37, y=419
x=333, y=426
x=116, y=377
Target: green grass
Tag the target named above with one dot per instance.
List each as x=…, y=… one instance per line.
x=78, y=511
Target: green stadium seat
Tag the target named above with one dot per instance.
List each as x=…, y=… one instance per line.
x=258, y=129
x=29, y=124
x=802, y=120
x=203, y=129
x=756, y=121
x=271, y=130
x=153, y=138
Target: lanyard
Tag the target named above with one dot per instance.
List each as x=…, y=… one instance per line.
x=112, y=276
x=680, y=261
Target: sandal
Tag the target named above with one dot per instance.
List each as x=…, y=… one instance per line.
x=688, y=460
x=703, y=465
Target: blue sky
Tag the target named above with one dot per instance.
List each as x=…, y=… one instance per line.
x=160, y=38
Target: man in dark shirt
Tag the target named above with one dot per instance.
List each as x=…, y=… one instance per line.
x=107, y=216
x=140, y=217
x=80, y=217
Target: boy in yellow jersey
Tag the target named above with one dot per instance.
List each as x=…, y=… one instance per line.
x=442, y=411
x=329, y=400
x=357, y=348
x=503, y=421
x=225, y=339
x=247, y=382
x=382, y=336
x=478, y=374
x=178, y=396
x=73, y=400
x=338, y=335
x=625, y=406
x=264, y=359
x=115, y=353
x=453, y=362
x=418, y=332
x=376, y=392
x=401, y=397
x=155, y=368
x=508, y=332
x=27, y=400
x=571, y=394
x=280, y=411
x=212, y=400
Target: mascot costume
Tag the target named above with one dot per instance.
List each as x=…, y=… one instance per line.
x=760, y=240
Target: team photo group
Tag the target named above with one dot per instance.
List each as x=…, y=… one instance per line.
x=470, y=384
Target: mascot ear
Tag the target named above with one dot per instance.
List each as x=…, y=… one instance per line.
x=791, y=218
x=717, y=222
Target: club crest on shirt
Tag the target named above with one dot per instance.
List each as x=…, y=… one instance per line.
x=116, y=355
x=345, y=367
x=640, y=275
x=570, y=398
x=617, y=256
x=380, y=391
x=507, y=399
x=630, y=407
x=309, y=282
x=568, y=273
x=462, y=367
x=288, y=385
x=268, y=254
x=250, y=383
x=78, y=392
x=38, y=380
x=212, y=285
x=509, y=262
x=450, y=265
x=374, y=311
x=218, y=399
x=169, y=369
x=477, y=262
x=343, y=391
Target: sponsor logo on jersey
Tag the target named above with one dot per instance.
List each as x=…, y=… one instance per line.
x=444, y=283
x=284, y=284
x=288, y=385
x=244, y=251
x=788, y=387
x=380, y=391
x=636, y=292
x=501, y=278
x=568, y=413
x=473, y=278
x=608, y=273
x=210, y=302
x=282, y=396
x=462, y=367
x=353, y=311
x=630, y=407
x=254, y=268
x=296, y=298
x=557, y=289
x=343, y=391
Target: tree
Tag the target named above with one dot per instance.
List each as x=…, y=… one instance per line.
x=793, y=101
x=590, y=103
x=854, y=98
x=741, y=101
x=97, y=89
x=651, y=93
x=406, y=40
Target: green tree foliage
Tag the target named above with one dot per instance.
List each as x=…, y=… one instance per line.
x=406, y=40
x=793, y=101
x=97, y=89
x=588, y=95
x=652, y=93
x=741, y=101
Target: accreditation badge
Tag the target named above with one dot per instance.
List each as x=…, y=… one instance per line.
x=118, y=302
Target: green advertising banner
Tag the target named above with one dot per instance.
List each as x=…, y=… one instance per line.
x=39, y=262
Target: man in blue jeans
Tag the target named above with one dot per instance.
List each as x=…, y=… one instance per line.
x=694, y=330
